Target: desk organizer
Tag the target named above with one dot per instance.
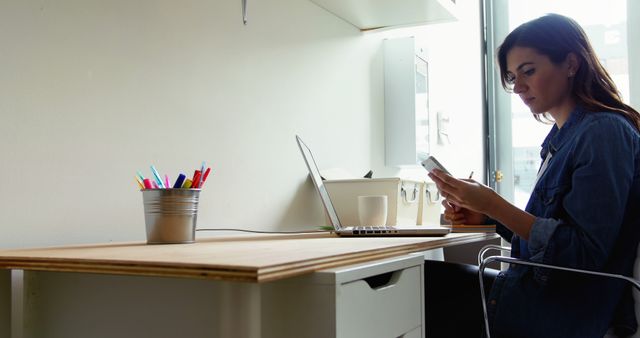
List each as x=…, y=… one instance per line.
x=404, y=198
x=170, y=215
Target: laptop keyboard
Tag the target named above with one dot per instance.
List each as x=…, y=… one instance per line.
x=374, y=229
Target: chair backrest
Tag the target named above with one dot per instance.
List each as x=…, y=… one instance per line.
x=636, y=293
x=482, y=262
x=636, y=296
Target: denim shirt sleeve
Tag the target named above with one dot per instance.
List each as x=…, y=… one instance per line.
x=593, y=205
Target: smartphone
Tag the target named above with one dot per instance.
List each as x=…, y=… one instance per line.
x=431, y=163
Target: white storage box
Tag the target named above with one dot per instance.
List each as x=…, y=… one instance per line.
x=430, y=205
x=404, y=197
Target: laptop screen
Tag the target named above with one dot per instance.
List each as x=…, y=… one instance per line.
x=317, y=181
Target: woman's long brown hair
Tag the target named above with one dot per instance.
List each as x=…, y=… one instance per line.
x=556, y=36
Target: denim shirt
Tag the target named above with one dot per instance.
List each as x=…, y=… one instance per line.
x=587, y=209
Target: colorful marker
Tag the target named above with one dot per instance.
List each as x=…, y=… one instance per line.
x=179, y=181
x=157, y=176
x=187, y=184
x=204, y=177
x=140, y=175
x=148, y=184
x=157, y=182
x=196, y=179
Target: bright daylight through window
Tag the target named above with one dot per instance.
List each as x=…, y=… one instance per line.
x=607, y=30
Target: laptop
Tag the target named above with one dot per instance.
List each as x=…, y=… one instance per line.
x=344, y=230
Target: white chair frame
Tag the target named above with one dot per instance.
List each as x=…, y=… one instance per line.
x=482, y=264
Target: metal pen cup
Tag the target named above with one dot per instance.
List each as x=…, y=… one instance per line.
x=170, y=215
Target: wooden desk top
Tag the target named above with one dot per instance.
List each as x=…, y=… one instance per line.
x=248, y=258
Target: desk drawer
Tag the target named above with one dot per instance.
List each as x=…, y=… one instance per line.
x=386, y=305
x=379, y=299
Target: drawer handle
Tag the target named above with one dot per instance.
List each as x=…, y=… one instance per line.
x=383, y=280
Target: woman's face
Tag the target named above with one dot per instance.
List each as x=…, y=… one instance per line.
x=542, y=85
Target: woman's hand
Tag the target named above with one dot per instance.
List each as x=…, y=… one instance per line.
x=466, y=194
x=472, y=198
x=458, y=215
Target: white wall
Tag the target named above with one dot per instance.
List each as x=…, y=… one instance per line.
x=93, y=90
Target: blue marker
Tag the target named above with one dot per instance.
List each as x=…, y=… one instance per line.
x=179, y=181
x=157, y=176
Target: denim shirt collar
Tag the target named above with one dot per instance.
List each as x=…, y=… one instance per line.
x=557, y=136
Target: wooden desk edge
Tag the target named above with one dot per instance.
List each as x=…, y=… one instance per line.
x=260, y=275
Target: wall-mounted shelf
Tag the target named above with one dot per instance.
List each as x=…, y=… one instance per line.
x=372, y=14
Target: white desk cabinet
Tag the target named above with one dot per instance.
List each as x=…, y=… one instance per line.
x=378, y=299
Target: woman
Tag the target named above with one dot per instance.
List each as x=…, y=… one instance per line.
x=584, y=211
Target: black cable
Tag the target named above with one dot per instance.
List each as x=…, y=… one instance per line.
x=269, y=232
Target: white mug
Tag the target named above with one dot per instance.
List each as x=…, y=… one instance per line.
x=372, y=210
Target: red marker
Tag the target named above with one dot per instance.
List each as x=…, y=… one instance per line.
x=204, y=177
x=196, y=179
x=147, y=184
